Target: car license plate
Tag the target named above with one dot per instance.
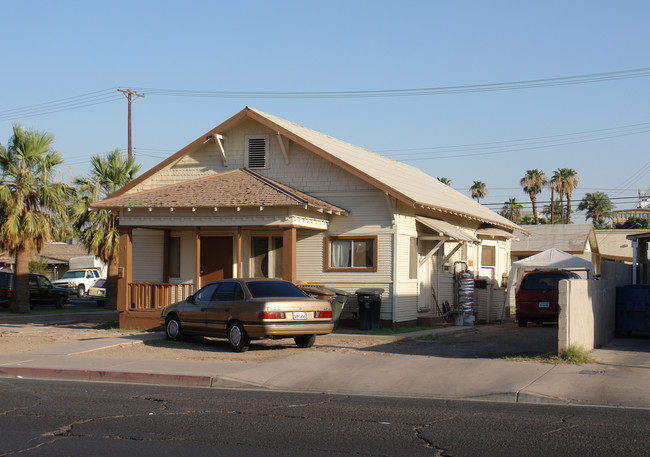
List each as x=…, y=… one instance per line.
x=299, y=316
x=544, y=304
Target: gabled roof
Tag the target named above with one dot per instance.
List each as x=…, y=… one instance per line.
x=401, y=181
x=222, y=190
x=570, y=238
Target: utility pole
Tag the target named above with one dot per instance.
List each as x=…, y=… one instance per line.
x=129, y=96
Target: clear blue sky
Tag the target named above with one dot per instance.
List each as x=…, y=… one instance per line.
x=56, y=50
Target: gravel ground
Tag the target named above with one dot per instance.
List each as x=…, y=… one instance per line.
x=484, y=341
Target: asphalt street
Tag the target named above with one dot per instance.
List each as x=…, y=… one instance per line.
x=54, y=418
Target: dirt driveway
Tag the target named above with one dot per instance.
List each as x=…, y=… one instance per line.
x=481, y=341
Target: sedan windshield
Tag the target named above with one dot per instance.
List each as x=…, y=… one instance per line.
x=262, y=289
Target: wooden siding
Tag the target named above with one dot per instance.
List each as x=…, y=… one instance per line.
x=148, y=246
x=305, y=170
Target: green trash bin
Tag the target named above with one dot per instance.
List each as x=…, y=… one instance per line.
x=338, y=302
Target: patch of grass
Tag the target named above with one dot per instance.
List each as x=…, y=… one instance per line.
x=110, y=325
x=430, y=338
x=572, y=356
x=385, y=331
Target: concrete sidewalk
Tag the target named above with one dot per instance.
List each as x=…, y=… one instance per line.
x=621, y=379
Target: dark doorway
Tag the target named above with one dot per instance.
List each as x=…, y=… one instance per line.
x=216, y=258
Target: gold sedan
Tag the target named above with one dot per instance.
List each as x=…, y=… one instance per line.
x=245, y=309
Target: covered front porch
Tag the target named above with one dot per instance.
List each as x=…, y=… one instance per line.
x=158, y=267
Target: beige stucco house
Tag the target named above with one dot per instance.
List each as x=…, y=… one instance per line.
x=261, y=196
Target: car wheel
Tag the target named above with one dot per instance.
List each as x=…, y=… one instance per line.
x=522, y=322
x=81, y=291
x=305, y=341
x=60, y=302
x=238, y=339
x=173, y=329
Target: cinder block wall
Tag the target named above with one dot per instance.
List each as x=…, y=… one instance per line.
x=588, y=308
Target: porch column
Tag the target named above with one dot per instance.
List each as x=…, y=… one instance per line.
x=239, y=259
x=197, y=244
x=289, y=237
x=166, y=257
x=125, y=269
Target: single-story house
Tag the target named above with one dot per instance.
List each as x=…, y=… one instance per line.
x=613, y=244
x=260, y=196
x=55, y=254
x=575, y=239
x=640, y=258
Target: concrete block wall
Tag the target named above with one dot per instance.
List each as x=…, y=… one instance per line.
x=587, y=313
x=588, y=308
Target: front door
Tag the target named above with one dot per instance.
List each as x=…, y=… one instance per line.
x=216, y=258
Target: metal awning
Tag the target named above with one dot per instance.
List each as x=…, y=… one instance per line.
x=445, y=228
x=493, y=231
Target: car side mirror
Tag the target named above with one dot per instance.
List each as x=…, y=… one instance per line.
x=190, y=299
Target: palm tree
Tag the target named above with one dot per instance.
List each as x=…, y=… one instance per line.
x=445, y=180
x=566, y=180
x=478, y=190
x=533, y=182
x=597, y=205
x=99, y=228
x=32, y=202
x=570, y=180
x=511, y=210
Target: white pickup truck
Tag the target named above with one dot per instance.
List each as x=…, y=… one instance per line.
x=78, y=281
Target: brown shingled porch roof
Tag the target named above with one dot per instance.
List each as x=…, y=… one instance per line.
x=235, y=188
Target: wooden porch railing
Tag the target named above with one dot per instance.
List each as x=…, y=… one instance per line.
x=147, y=296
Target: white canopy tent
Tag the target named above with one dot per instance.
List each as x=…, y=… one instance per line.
x=551, y=259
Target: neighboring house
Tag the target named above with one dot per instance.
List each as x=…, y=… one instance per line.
x=640, y=269
x=54, y=254
x=259, y=196
x=575, y=239
x=614, y=245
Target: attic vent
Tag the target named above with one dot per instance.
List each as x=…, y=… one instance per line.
x=257, y=151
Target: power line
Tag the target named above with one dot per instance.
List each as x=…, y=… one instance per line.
x=108, y=95
x=64, y=104
x=511, y=85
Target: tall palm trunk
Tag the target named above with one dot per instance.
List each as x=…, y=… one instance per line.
x=568, y=208
x=552, y=206
x=533, y=199
x=111, y=286
x=20, y=298
x=561, y=208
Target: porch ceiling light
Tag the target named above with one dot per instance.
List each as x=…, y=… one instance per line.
x=193, y=209
x=261, y=208
x=128, y=209
x=216, y=209
x=150, y=209
x=238, y=208
x=171, y=209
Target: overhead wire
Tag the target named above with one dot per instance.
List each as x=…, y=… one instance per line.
x=470, y=88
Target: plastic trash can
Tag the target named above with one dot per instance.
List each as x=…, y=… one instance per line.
x=338, y=302
x=369, y=299
x=317, y=292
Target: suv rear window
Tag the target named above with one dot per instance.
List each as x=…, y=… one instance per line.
x=5, y=280
x=545, y=281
